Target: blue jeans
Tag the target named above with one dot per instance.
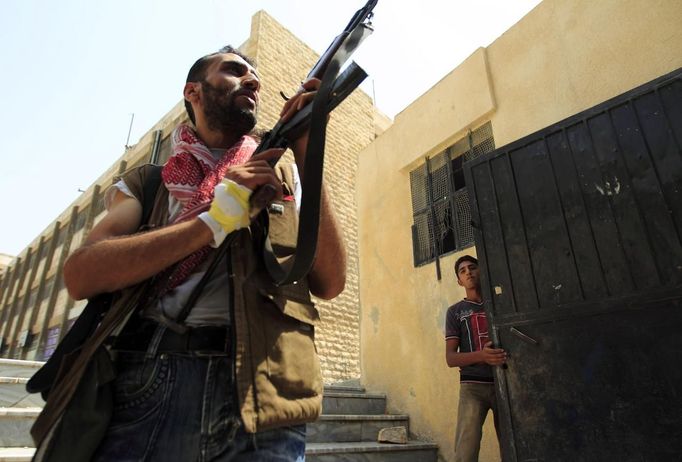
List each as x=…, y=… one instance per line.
x=183, y=407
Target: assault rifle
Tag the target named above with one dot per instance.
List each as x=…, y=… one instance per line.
x=334, y=88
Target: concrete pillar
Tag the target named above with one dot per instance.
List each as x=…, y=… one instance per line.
x=42, y=328
x=58, y=273
x=4, y=287
x=8, y=327
x=27, y=297
x=40, y=331
x=12, y=273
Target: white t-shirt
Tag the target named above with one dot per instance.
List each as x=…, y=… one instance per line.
x=212, y=307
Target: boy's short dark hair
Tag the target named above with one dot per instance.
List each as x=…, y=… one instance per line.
x=464, y=258
x=197, y=73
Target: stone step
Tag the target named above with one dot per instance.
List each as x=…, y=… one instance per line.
x=346, y=431
x=13, y=393
x=413, y=451
x=15, y=441
x=18, y=368
x=316, y=452
x=16, y=454
x=336, y=388
x=347, y=428
x=364, y=403
x=14, y=374
x=15, y=426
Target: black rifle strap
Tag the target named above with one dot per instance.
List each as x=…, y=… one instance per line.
x=150, y=187
x=218, y=255
x=309, y=220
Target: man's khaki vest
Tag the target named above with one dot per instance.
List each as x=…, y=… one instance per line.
x=278, y=371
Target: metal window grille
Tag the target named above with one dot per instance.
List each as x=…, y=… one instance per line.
x=421, y=228
x=440, y=202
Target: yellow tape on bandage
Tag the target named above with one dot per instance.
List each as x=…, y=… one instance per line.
x=230, y=206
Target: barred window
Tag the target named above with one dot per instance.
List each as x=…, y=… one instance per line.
x=440, y=203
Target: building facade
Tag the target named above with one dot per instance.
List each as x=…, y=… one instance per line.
x=561, y=58
x=35, y=309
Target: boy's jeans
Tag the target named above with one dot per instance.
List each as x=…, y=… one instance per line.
x=475, y=399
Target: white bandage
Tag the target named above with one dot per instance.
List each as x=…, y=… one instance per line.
x=229, y=210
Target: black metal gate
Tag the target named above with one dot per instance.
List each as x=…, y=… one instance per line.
x=579, y=231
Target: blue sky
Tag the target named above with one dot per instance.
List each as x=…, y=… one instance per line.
x=73, y=72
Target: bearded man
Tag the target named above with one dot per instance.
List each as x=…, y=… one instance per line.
x=215, y=363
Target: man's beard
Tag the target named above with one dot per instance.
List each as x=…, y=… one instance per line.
x=223, y=114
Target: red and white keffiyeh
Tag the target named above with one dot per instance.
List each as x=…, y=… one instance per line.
x=190, y=175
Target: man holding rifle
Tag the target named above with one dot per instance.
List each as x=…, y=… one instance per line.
x=216, y=362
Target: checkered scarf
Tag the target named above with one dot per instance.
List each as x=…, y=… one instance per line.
x=190, y=175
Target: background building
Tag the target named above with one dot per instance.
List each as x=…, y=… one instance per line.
x=561, y=58
x=35, y=307
x=5, y=260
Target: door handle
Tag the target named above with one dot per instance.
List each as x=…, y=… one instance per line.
x=523, y=336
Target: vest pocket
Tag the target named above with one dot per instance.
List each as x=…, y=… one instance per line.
x=283, y=227
x=293, y=365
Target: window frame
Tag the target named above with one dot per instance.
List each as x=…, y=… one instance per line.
x=476, y=143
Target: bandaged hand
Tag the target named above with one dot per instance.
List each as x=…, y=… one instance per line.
x=229, y=210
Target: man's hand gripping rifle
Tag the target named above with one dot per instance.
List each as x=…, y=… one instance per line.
x=334, y=88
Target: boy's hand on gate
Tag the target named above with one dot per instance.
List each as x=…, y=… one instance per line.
x=493, y=356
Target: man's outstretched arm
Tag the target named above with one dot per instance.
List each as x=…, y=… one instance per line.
x=113, y=257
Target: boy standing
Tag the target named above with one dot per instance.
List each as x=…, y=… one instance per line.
x=469, y=348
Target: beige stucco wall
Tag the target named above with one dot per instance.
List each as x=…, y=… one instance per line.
x=563, y=57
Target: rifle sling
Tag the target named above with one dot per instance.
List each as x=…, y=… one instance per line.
x=309, y=220
x=177, y=324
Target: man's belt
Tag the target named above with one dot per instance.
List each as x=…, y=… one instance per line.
x=194, y=339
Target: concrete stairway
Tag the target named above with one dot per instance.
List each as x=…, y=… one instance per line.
x=348, y=428
x=347, y=431
x=18, y=409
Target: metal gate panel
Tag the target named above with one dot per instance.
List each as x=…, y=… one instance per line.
x=578, y=229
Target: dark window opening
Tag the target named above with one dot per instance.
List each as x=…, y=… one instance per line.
x=440, y=202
